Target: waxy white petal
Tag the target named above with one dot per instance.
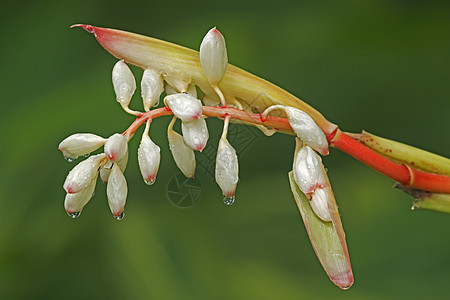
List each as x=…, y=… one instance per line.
x=306, y=129
x=116, y=191
x=83, y=174
x=227, y=168
x=213, y=56
x=319, y=203
x=116, y=146
x=184, y=106
x=309, y=172
x=80, y=144
x=123, y=82
x=182, y=154
x=152, y=85
x=149, y=158
x=75, y=202
x=195, y=133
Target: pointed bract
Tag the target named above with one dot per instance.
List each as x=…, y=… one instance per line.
x=148, y=157
x=227, y=168
x=152, y=86
x=123, y=82
x=213, y=56
x=83, y=174
x=116, y=146
x=184, y=106
x=182, y=154
x=195, y=133
x=75, y=202
x=80, y=144
x=116, y=191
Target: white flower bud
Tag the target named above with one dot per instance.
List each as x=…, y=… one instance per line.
x=181, y=86
x=309, y=173
x=116, y=146
x=227, y=168
x=106, y=170
x=307, y=130
x=148, y=157
x=192, y=90
x=184, y=106
x=75, y=202
x=213, y=56
x=319, y=203
x=123, y=82
x=116, y=191
x=195, y=133
x=182, y=154
x=83, y=174
x=152, y=85
x=80, y=144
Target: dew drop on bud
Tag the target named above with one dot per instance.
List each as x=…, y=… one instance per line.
x=149, y=182
x=74, y=215
x=69, y=159
x=229, y=200
x=120, y=216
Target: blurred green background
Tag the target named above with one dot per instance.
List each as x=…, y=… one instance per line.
x=382, y=66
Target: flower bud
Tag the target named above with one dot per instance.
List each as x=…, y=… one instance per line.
x=106, y=170
x=75, y=202
x=116, y=146
x=148, y=157
x=184, y=106
x=195, y=133
x=123, y=82
x=116, y=191
x=152, y=85
x=227, y=168
x=213, y=56
x=319, y=203
x=192, y=90
x=181, y=86
x=182, y=154
x=83, y=174
x=309, y=172
x=307, y=130
x=80, y=144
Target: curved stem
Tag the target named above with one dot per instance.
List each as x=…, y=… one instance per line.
x=402, y=173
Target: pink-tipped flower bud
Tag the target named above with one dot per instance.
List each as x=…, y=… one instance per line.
x=106, y=170
x=123, y=82
x=80, y=144
x=213, y=56
x=307, y=130
x=184, y=106
x=309, y=172
x=152, y=85
x=148, y=157
x=83, y=174
x=182, y=154
x=195, y=133
x=227, y=168
x=117, y=191
x=116, y=146
x=74, y=203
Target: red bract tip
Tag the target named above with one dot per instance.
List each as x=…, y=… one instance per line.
x=88, y=28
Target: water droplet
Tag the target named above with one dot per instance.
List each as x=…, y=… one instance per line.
x=87, y=155
x=70, y=159
x=93, y=194
x=149, y=182
x=74, y=215
x=228, y=200
x=120, y=217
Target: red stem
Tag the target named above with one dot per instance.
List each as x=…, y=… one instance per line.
x=404, y=174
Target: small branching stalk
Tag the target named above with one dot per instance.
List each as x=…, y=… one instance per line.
x=231, y=94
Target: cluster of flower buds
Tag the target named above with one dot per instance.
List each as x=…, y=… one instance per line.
x=181, y=99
